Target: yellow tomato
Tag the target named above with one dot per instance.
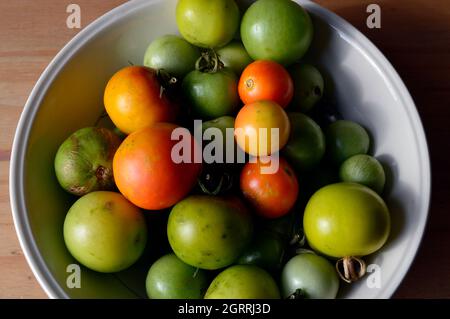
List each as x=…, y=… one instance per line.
x=133, y=99
x=262, y=128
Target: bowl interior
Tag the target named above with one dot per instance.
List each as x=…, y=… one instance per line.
x=69, y=97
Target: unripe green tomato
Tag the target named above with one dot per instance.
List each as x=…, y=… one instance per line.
x=306, y=145
x=346, y=219
x=277, y=30
x=172, y=54
x=309, y=86
x=234, y=56
x=83, y=163
x=211, y=95
x=243, y=282
x=266, y=251
x=170, y=278
x=345, y=139
x=365, y=170
x=105, y=232
x=209, y=232
x=207, y=23
x=313, y=275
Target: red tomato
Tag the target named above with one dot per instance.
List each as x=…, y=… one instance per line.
x=266, y=80
x=271, y=195
x=145, y=172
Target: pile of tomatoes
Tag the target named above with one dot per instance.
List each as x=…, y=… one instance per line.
x=268, y=226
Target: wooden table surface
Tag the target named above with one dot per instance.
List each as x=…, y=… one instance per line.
x=414, y=35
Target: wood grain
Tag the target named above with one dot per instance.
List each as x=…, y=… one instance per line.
x=31, y=34
x=415, y=37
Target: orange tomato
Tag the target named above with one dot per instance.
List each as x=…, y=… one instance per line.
x=133, y=99
x=145, y=172
x=266, y=80
x=255, y=128
x=271, y=195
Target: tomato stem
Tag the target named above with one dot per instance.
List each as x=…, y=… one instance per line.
x=100, y=118
x=209, y=62
x=298, y=294
x=225, y=184
x=166, y=80
x=194, y=275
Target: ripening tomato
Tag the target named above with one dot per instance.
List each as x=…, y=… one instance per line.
x=266, y=80
x=262, y=128
x=133, y=99
x=272, y=194
x=145, y=172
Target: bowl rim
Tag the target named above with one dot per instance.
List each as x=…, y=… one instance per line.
x=21, y=138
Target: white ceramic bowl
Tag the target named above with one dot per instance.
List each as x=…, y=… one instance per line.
x=68, y=96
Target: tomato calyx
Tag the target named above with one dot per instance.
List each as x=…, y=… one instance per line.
x=297, y=294
x=317, y=91
x=209, y=62
x=351, y=269
x=250, y=84
x=101, y=173
x=167, y=82
x=215, y=184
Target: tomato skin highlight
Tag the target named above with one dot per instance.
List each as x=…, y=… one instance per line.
x=272, y=195
x=266, y=80
x=133, y=99
x=145, y=173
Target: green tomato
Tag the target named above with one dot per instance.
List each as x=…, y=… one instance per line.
x=309, y=86
x=207, y=23
x=311, y=275
x=278, y=30
x=283, y=227
x=173, y=54
x=223, y=123
x=209, y=232
x=346, y=219
x=170, y=278
x=234, y=56
x=266, y=251
x=243, y=282
x=306, y=145
x=345, y=139
x=105, y=232
x=83, y=162
x=211, y=95
x=365, y=170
